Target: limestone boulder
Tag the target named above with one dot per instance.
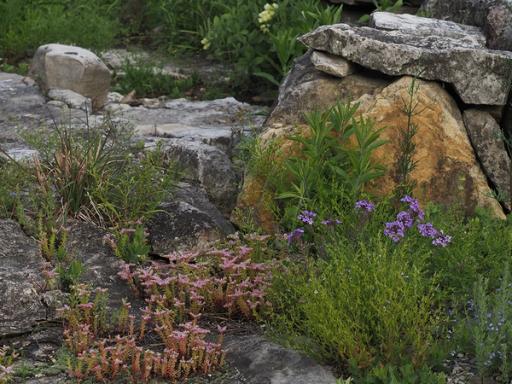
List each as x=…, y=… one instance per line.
x=74, y=68
x=493, y=16
x=189, y=220
x=306, y=89
x=447, y=171
x=487, y=140
x=262, y=361
x=431, y=49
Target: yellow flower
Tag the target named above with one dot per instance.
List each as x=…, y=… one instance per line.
x=206, y=43
x=265, y=16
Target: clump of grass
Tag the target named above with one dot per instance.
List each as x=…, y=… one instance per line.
x=148, y=80
x=97, y=174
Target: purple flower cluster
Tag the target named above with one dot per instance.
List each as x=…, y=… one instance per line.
x=395, y=230
x=295, y=235
x=307, y=217
x=365, y=205
x=330, y=222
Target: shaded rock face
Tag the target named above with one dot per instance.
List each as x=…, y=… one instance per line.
x=208, y=166
x=21, y=264
x=479, y=75
x=73, y=68
x=306, y=89
x=487, y=140
x=85, y=243
x=188, y=221
x=493, y=16
x=447, y=171
x=263, y=362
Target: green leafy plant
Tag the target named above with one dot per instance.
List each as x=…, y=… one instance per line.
x=7, y=358
x=334, y=165
x=384, y=6
x=130, y=244
x=486, y=330
x=148, y=80
x=53, y=249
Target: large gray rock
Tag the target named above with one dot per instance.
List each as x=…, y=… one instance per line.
x=21, y=281
x=68, y=67
x=189, y=220
x=479, y=75
x=263, y=362
x=487, y=140
x=493, y=16
x=207, y=166
x=306, y=89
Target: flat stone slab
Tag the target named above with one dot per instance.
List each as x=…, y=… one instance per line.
x=21, y=281
x=430, y=49
x=263, y=362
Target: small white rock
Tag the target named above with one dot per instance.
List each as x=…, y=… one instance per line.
x=331, y=64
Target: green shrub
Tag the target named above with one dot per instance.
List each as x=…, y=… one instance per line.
x=261, y=38
x=486, y=330
x=362, y=305
x=24, y=25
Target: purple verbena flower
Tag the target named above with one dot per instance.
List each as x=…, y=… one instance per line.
x=405, y=218
x=408, y=199
x=295, y=235
x=366, y=205
x=427, y=230
x=442, y=240
x=330, y=222
x=395, y=230
x=307, y=217
x=414, y=206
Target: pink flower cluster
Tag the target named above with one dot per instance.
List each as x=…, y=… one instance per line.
x=195, y=282
x=107, y=353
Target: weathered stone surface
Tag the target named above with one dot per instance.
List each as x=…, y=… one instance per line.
x=306, y=89
x=498, y=27
x=73, y=68
x=208, y=166
x=21, y=104
x=479, y=75
x=188, y=221
x=470, y=36
x=21, y=264
x=263, y=362
x=493, y=16
x=85, y=243
x=447, y=171
x=487, y=139
x=70, y=98
x=332, y=65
